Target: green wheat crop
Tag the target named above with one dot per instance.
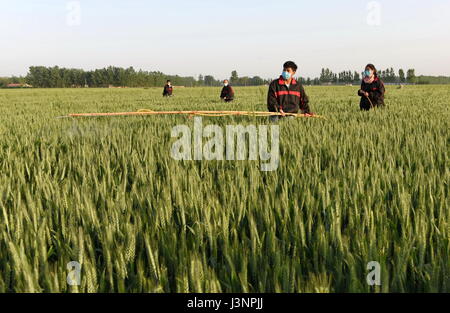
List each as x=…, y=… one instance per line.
x=356, y=188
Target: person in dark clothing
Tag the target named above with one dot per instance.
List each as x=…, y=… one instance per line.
x=372, y=90
x=227, y=93
x=168, y=89
x=286, y=94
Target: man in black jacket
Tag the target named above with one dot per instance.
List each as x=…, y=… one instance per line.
x=168, y=89
x=227, y=93
x=286, y=94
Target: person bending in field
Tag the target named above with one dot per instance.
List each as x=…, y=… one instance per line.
x=227, y=93
x=372, y=89
x=286, y=94
x=168, y=89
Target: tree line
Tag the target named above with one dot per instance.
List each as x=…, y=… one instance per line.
x=388, y=75
x=57, y=77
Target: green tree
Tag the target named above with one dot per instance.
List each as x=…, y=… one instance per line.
x=256, y=81
x=327, y=76
x=411, y=76
x=209, y=80
x=401, y=75
x=201, y=80
x=234, y=78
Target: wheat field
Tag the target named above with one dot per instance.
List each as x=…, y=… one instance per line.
x=105, y=192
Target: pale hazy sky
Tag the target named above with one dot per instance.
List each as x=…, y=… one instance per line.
x=255, y=37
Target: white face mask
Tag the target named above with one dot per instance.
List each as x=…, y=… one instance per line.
x=226, y=85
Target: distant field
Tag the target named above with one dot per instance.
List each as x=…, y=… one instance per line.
x=105, y=192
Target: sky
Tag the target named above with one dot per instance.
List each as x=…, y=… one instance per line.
x=209, y=37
